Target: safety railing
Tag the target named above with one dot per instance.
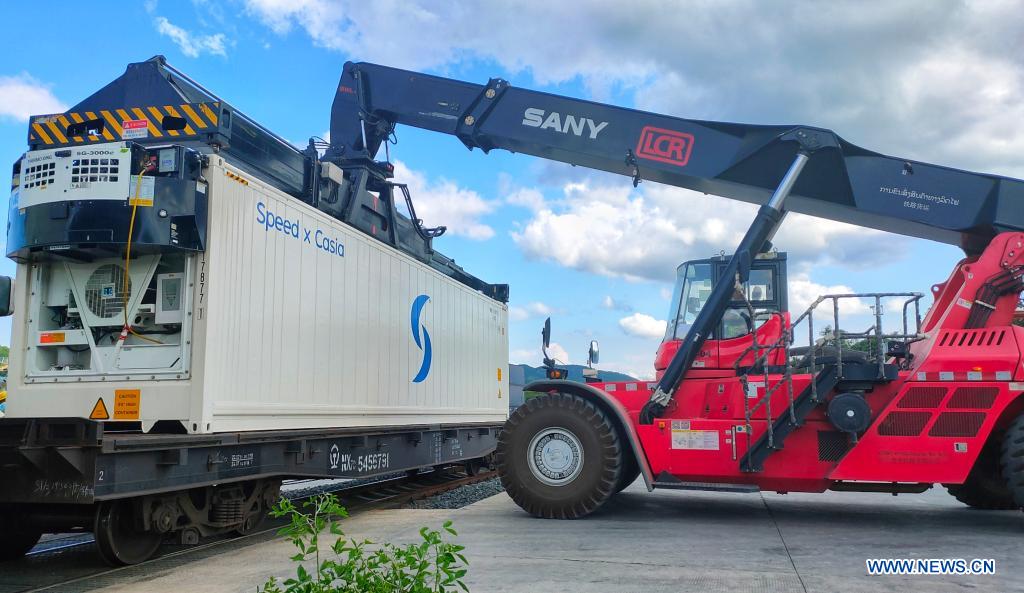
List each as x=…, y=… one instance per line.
x=874, y=335
x=757, y=367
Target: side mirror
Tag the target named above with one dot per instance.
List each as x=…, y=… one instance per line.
x=594, y=355
x=545, y=334
x=6, y=296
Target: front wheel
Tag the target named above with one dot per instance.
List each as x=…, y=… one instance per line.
x=985, y=487
x=559, y=457
x=1012, y=460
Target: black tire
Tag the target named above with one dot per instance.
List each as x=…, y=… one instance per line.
x=1012, y=460
x=586, y=485
x=630, y=470
x=16, y=538
x=985, y=487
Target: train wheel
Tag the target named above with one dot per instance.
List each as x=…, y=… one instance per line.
x=119, y=538
x=1012, y=459
x=252, y=523
x=985, y=487
x=16, y=538
x=559, y=457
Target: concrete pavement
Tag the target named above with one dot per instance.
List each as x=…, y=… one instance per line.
x=670, y=541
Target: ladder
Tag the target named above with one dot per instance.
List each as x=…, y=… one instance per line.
x=829, y=374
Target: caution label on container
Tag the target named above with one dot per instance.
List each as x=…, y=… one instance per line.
x=685, y=438
x=127, y=404
x=99, y=411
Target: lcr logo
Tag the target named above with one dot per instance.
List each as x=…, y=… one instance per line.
x=665, y=146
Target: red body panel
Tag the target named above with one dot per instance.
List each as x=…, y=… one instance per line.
x=932, y=432
x=723, y=354
x=928, y=425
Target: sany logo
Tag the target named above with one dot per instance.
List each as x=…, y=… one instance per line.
x=665, y=146
x=534, y=118
x=422, y=340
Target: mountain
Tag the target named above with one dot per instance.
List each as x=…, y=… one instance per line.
x=575, y=373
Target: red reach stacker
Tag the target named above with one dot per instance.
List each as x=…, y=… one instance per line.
x=749, y=397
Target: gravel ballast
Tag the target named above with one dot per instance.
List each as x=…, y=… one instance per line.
x=461, y=496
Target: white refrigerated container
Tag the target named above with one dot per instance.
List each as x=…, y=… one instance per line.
x=289, y=319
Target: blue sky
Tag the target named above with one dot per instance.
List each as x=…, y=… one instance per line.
x=585, y=248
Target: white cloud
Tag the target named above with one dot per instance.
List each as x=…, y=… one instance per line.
x=803, y=291
x=191, y=45
x=558, y=353
x=604, y=226
x=529, y=198
x=525, y=356
x=927, y=80
x=535, y=358
x=643, y=326
x=529, y=311
x=22, y=96
x=615, y=305
x=443, y=203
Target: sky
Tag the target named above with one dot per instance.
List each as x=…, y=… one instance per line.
x=936, y=81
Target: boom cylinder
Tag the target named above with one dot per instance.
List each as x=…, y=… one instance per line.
x=761, y=230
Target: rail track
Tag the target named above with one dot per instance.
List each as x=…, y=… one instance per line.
x=67, y=563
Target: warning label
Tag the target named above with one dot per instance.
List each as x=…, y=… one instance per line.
x=51, y=337
x=685, y=438
x=142, y=191
x=126, y=404
x=134, y=128
x=99, y=411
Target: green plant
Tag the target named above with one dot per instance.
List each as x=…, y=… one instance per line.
x=431, y=566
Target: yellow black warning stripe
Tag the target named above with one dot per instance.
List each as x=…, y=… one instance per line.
x=52, y=130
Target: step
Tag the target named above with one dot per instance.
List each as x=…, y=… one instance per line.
x=708, y=486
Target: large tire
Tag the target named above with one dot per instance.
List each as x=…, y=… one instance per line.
x=630, y=470
x=985, y=487
x=16, y=537
x=559, y=457
x=1012, y=460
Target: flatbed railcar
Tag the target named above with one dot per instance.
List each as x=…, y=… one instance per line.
x=202, y=310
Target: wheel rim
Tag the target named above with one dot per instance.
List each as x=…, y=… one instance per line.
x=117, y=538
x=556, y=456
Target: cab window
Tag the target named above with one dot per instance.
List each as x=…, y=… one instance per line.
x=693, y=287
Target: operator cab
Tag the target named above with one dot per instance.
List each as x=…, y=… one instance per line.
x=765, y=291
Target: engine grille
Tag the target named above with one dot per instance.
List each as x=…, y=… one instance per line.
x=923, y=397
x=903, y=424
x=957, y=424
x=976, y=398
x=832, y=445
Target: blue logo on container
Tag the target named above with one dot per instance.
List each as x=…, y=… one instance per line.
x=422, y=341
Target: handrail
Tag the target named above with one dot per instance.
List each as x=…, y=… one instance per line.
x=762, y=352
